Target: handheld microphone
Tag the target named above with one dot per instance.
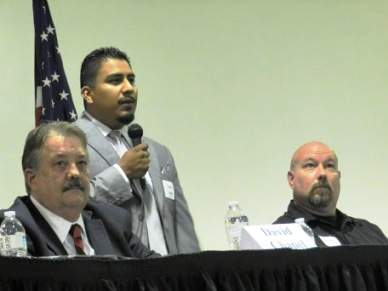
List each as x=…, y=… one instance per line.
x=135, y=132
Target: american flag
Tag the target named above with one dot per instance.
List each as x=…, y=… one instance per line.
x=53, y=100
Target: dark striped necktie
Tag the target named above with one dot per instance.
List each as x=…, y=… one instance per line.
x=75, y=232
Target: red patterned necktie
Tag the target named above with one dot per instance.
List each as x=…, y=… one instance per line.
x=75, y=232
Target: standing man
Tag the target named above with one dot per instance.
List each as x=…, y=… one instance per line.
x=315, y=180
x=142, y=178
x=57, y=215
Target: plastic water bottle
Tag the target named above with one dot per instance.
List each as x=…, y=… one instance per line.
x=234, y=222
x=13, y=236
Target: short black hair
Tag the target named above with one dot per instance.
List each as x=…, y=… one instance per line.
x=92, y=63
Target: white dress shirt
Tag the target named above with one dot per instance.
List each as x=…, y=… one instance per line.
x=61, y=227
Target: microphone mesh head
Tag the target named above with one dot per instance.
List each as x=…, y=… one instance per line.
x=135, y=131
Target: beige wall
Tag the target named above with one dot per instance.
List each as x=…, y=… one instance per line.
x=232, y=87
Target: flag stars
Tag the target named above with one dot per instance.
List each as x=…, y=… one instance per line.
x=73, y=115
x=53, y=97
x=50, y=29
x=44, y=36
x=46, y=82
x=63, y=95
x=55, y=77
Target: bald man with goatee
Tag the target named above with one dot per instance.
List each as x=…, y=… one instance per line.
x=314, y=178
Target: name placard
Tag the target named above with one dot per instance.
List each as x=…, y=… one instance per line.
x=275, y=236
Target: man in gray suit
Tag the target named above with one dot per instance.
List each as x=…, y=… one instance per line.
x=141, y=178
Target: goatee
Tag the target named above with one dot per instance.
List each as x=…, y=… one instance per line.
x=320, y=196
x=127, y=119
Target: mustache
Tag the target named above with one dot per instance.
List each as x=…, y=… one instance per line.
x=127, y=100
x=321, y=184
x=73, y=184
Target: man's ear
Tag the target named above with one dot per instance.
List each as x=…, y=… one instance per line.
x=87, y=94
x=29, y=177
x=290, y=178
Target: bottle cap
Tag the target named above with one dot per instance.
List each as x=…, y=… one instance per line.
x=9, y=213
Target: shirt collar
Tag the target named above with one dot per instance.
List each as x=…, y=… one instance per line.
x=341, y=221
x=60, y=225
x=105, y=130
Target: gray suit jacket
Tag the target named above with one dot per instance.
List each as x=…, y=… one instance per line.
x=107, y=227
x=108, y=185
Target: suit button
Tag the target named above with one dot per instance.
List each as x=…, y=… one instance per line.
x=141, y=217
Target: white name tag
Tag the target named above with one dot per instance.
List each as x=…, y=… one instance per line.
x=168, y=189
x=330, y=241
x=275, y=236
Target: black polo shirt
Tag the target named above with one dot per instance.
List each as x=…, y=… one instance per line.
x=348, y=230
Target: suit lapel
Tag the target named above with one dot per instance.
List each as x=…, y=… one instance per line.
x=97, y=235
x=156, y=179
x=166, y=215
x=42, y=235
x=97, y=141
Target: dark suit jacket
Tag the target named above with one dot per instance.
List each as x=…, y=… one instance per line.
x=108, y=229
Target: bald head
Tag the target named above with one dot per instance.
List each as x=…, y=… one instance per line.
x=315, y=179
x=316, y=147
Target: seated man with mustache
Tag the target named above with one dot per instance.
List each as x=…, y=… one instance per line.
x=315, y=180
x=57, y=214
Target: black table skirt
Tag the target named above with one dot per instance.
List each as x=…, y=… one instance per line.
x=339, y=268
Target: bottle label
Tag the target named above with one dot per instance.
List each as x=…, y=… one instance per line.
x=239, y=219
x=234, y=231
x=15, y=241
